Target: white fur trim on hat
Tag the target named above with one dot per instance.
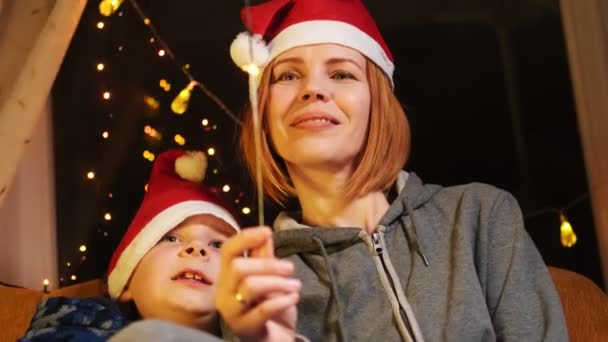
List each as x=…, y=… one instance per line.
x=328, y=32
x=149, y=236
x=241, y=53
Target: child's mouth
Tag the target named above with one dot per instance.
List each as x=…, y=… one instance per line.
x=193, y=276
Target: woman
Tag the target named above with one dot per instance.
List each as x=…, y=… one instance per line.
x=381, y=255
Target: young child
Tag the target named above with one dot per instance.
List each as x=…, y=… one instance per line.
x=164, y=268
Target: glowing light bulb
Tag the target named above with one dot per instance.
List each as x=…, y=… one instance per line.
x=106, y=95
x=152, y=40
x=180, y=104
x=83, y=248
x=161, y=52
x=107, y=217
x=211, y=151
x=73, y=277
x=205, y=122
x=45, y=282
x=246, y=211
x=100, y=66
x=90, y=175
x=151, y=102
x=149, y=155
x=101, y=25
x=180, y=140
x=105, y=134
x=226, y=188
x=146, y=188
x=108, y=7
x=68, y=264
x=568, y=237
x=147, y=21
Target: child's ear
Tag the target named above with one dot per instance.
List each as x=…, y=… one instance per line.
x=126, y=295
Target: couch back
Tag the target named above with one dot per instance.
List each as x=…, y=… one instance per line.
x=18, y=305
x=585, y=305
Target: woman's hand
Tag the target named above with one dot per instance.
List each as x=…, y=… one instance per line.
x=256, y=295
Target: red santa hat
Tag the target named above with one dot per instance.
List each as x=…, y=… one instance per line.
x=174, y=193
x=286, y=24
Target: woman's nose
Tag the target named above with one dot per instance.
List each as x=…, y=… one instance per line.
x=315, y=90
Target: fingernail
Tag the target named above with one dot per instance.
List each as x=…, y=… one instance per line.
x=295, y=283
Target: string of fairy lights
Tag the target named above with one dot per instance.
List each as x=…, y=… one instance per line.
x=180, y=104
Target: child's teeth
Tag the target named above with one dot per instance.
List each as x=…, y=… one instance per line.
x=198, y=277
x=189, y=275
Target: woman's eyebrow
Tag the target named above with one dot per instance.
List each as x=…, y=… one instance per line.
x=343, y=60
x=297, y=60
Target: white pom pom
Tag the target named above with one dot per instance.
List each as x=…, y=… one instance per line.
x=240, y=53
x=192, y=166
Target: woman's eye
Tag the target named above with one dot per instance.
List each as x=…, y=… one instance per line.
x=342, y=75
x=216, y=244
x=286, y=76
x=169, y=238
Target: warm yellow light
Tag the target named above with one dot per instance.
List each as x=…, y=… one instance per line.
x=106, y=95
x=100, y=25
x=165, y=85
x=226, y=188
x=187, y=66
x=252, y=69
x=151, y=102
x=211, y=151
x=568, y=237
x=246, y=211
x=161, y=52
x=147, y=21
x=100, y=66
x=149, y=155
x=205, y=122
x=180, y=104
x=45, y=282
x=146, y=187
x=105, y=134
x=107, y=217
x=90, y=175
x=180, y=140
x=108, y=7
x=68, y=264
x=73, y=277
x=151, y=40
x=83, y=248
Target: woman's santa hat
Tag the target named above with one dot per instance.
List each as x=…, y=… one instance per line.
x=174, y=193
x=286, y=24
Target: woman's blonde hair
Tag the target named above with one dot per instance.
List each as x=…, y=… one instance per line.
x=384, y=154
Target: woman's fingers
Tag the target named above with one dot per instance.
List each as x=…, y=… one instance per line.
x=254, y=319
x=256, y=289
x=242, y=268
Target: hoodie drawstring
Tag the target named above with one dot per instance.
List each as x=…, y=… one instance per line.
x=419, y=247
x=334, y=287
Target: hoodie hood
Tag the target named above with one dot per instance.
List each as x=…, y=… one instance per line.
x=412, y=194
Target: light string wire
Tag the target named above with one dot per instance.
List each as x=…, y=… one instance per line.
x=181, y=67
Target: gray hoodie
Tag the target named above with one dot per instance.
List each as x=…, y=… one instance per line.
x=445, y=264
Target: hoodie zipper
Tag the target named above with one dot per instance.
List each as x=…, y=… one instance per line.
x=377, y=246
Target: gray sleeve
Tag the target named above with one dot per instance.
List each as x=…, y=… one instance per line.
x=156, y=330
x=521, y=297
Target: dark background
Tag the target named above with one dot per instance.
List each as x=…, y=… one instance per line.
x=485, y=85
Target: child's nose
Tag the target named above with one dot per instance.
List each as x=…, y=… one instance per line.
x=194, y=249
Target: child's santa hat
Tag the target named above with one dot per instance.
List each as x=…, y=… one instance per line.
x=174, y=193
x=286, y=24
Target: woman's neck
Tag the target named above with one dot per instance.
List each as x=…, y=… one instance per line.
x=321, y=196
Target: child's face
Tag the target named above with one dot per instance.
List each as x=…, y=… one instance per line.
x=175, y=280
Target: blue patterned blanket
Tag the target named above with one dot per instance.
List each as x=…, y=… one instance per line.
x=75, y=320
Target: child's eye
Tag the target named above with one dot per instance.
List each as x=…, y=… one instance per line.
x=216, y=244
x=169, y=238
x=342, y=75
